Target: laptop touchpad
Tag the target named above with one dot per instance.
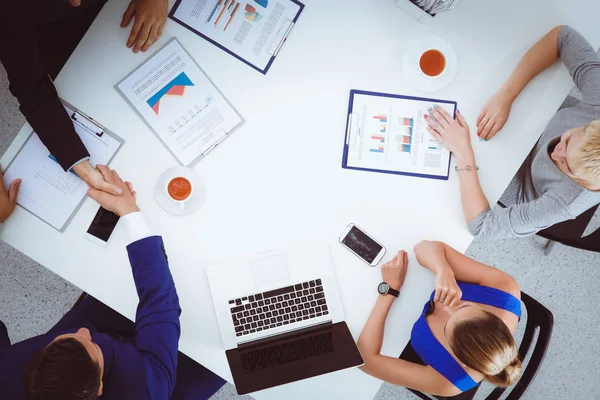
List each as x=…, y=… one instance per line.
x=270, y=270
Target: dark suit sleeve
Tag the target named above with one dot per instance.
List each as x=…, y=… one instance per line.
x=157, y=328
x=39, y=102
x=4, y=339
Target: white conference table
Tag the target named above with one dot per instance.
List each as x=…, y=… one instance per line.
x=278, y=179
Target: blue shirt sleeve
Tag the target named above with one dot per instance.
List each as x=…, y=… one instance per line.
x=157, y=327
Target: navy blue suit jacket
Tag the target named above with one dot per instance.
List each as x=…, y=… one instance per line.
x=142, y=368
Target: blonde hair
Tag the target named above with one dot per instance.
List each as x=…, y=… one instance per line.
x=588, y=161
x=485, y=344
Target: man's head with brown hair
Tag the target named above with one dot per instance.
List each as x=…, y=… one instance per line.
x=69, y=368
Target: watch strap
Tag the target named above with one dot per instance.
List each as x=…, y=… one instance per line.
x=393, y=292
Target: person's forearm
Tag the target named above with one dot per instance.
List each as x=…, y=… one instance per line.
x=472, y=197
x=537, y=59
x=371, y=337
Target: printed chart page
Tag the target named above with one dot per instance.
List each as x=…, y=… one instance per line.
x=253, y=30
x=391, y=136
x=179, y=103
x=47, y=191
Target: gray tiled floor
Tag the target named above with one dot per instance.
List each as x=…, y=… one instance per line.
x=32, y=298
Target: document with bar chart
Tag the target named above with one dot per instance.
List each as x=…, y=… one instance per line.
x=179, y=103
x=252, y=31
x=388, y=133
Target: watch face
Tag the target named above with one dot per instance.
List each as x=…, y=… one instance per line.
x=383, y=288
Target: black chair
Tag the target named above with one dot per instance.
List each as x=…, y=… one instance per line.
x=538, y=318
x=570, y=233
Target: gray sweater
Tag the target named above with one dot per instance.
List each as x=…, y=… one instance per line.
x=540, y=195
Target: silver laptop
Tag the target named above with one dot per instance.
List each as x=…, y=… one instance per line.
x=281, y=318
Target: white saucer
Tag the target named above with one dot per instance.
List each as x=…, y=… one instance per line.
x=174, y=207
x=412, y=71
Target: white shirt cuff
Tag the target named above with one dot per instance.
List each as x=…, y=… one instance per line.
x=79, y=162
x=136, y=226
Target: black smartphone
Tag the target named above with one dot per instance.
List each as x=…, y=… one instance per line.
x=102, y=226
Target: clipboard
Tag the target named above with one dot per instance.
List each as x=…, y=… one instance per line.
x=86, y=123
x=219, y=134
x=354, y=131
x=274, y=47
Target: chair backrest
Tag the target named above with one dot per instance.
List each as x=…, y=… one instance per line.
x=540, y=319
x=570, y=232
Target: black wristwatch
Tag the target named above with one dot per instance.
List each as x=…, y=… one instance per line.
x=384, y=289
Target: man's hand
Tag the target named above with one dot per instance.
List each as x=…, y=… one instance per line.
x=94, y=178
x=394, y=271
x=8, y=199
x=120, y=205
x=149, y=20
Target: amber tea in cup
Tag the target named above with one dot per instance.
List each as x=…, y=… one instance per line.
x=432, y=63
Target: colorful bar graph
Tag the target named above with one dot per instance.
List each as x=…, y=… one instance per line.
x=235, y=10
x=382, y=138
x=381, y=118
x=376, y=150
x=406, y=121
x=222, y=11
x=383, y=129
x=406, y=139
x=217, y=4
x=405, y=148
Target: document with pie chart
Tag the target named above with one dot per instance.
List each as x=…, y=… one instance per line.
x=251, y=30
x=179, y=103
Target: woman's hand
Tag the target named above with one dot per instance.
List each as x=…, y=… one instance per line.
x=453, y=135
x=394, y=271
x=494, y=115
x=446, y=288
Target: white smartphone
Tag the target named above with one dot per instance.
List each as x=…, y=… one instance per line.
x=362, y=245
x=102, y=227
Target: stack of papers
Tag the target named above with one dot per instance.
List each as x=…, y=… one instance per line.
x=435, y=6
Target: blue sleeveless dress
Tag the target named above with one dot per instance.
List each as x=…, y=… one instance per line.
x=435, y=355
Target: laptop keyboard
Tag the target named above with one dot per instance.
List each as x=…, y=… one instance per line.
x=287, y=352
x=284, y=306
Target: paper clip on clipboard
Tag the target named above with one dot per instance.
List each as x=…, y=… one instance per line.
x=353, y=129
x=281, y=37
x=223, y=136
x=78, y=116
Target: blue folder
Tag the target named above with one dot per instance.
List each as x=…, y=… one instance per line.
x=396, y=96
x=262, y=3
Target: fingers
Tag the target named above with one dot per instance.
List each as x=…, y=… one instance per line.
x=142, y=37
x=13, y=191
x=489, y=124
x=135, y=30
x=105, y=171
x=433, y=123
x=133, y=192
x=443, y=114
x=438, y=294
x=160, y=30
x=151, y=37
x=435, y=134
x=99, y=196
x=495, y=129
x=127, y=16
x=480, y=118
